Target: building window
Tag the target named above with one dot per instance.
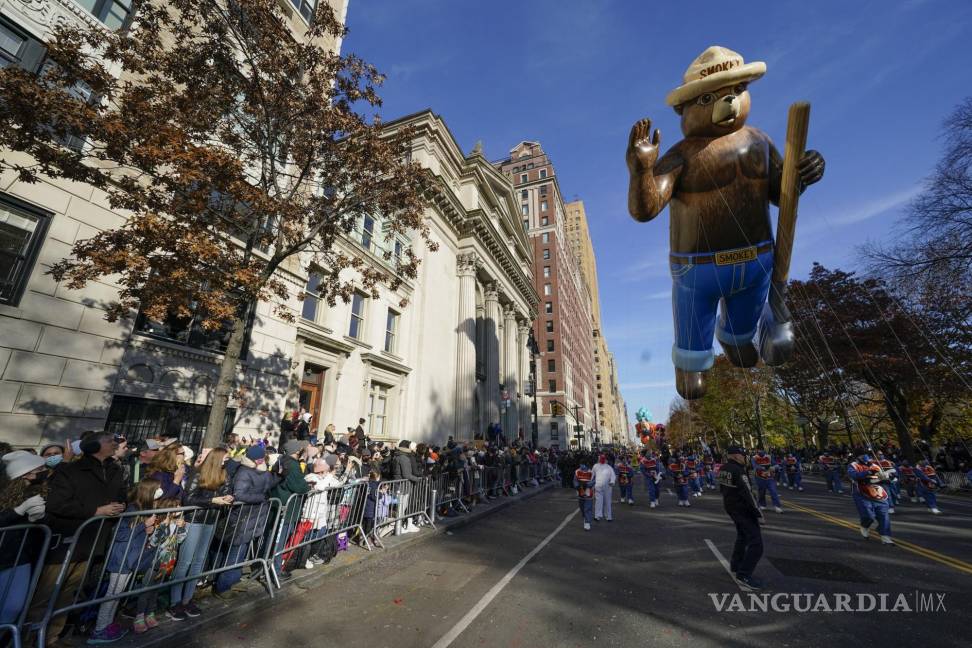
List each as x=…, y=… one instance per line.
x=543, y=173
x=551, y=366
x=114, y=13
x=552, y=385
x=546, y=272
x=391, y=331
x=525, y=209
x=546, y=255
x=311, y=297
x=554, y=431
x=138, y=419
x=18, y=48
x=523, y=177
x=544, y=221
x=550, y=345
x=357, y=315
x=367, y=232
x=547, y=290
x=526, y=223
x=524, y=194
x=548, y=307
x=188, y=330
x=543, y=206
x=545, y=237
x=543, y=190
x=549, y=326
x=530, y=165
x=377, y=408
x=22, y=232
x=306, y=8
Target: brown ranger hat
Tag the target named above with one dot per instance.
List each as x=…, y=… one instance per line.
x=716, y=67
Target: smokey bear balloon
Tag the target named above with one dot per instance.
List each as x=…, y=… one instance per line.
x=719, y=182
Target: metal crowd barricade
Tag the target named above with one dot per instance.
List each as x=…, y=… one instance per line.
x=399, y=501
x=523, y=472
x=473, y=483
x=310, y=518
x=241, y=537
x=23, y=549
x=492, y=481
x=954, y=481
x=448, y=490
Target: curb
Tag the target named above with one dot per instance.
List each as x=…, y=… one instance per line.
x=348, y=567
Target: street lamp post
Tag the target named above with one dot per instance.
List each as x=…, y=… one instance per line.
x=534, y=422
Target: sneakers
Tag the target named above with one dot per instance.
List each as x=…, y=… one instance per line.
x=191, y=610
x=228, y=595
x=778, y=509
x=800, y=488
x=150, y=621
x=935, y=511
x=587, y=526
x=891, y=510
x=887, y=540
x=762, y=508
x=309, y=564
x=749, y=583
x=110, y=634
x=653, y=505
x=865, y=530
x=176, y=613
x=914, y=499
x=138, y=625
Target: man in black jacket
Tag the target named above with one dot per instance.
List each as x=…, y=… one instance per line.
x=738, y=500
x=93, y=485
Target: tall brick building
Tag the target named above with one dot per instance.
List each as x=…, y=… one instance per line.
x=566, y=366
x=610, y=425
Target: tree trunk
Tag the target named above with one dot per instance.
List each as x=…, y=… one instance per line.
x=897, y=407
x=224, y=386
x=823, y=432
x=847, y=425
x=759, y=424
x=929, y=429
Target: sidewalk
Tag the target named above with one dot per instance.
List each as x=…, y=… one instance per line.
x=346, y=563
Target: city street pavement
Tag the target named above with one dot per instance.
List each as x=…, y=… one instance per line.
x=531, y=576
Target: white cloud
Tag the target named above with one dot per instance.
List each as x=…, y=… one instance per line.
x=877, y=206
x=661, y=294
x=656, y=384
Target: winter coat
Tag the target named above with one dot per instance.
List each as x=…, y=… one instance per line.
x=252, y=488
x=129, y=548
x=196, y=495
x=403, y=467
x=323, y=497
x=170, y=489
x=15, y=549
x=75, y=491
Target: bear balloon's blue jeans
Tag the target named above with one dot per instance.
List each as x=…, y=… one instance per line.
x=698, y=289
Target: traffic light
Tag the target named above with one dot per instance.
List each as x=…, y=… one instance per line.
x=555, y=408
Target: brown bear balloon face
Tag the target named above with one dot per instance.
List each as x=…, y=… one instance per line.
x=715, y=113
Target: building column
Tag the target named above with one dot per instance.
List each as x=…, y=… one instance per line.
x=523, y=353
x=510, y=369
x=466, y=348
x=491, y=326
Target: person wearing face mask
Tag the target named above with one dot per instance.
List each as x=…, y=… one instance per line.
x=22, y=501
x=53, y=455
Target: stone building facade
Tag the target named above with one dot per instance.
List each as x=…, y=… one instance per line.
x=429, y=360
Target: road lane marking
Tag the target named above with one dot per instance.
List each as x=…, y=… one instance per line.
x=723, y=561
x=954, y=563
x=488, y=597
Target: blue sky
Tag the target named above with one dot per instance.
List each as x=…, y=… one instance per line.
x=576, y=74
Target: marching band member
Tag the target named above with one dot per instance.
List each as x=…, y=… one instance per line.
x=695, y=482
x=625, y=476
x=870, y=497
x=764, y=467
x=604, y=480
x=680, y=480
x=650, y=468
x=892, y=484
x=794, y=472
x=908, y=479
x=778, y=473
x=584, y=483
x=831, y=472
x=708, y=463
x=928, y=483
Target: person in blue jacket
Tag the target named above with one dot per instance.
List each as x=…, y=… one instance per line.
x=764, y=468
x=708, y=463
x=794, y=471
x=831, y=472
x=650, y=467
x=928, y=483
x=870, y=497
